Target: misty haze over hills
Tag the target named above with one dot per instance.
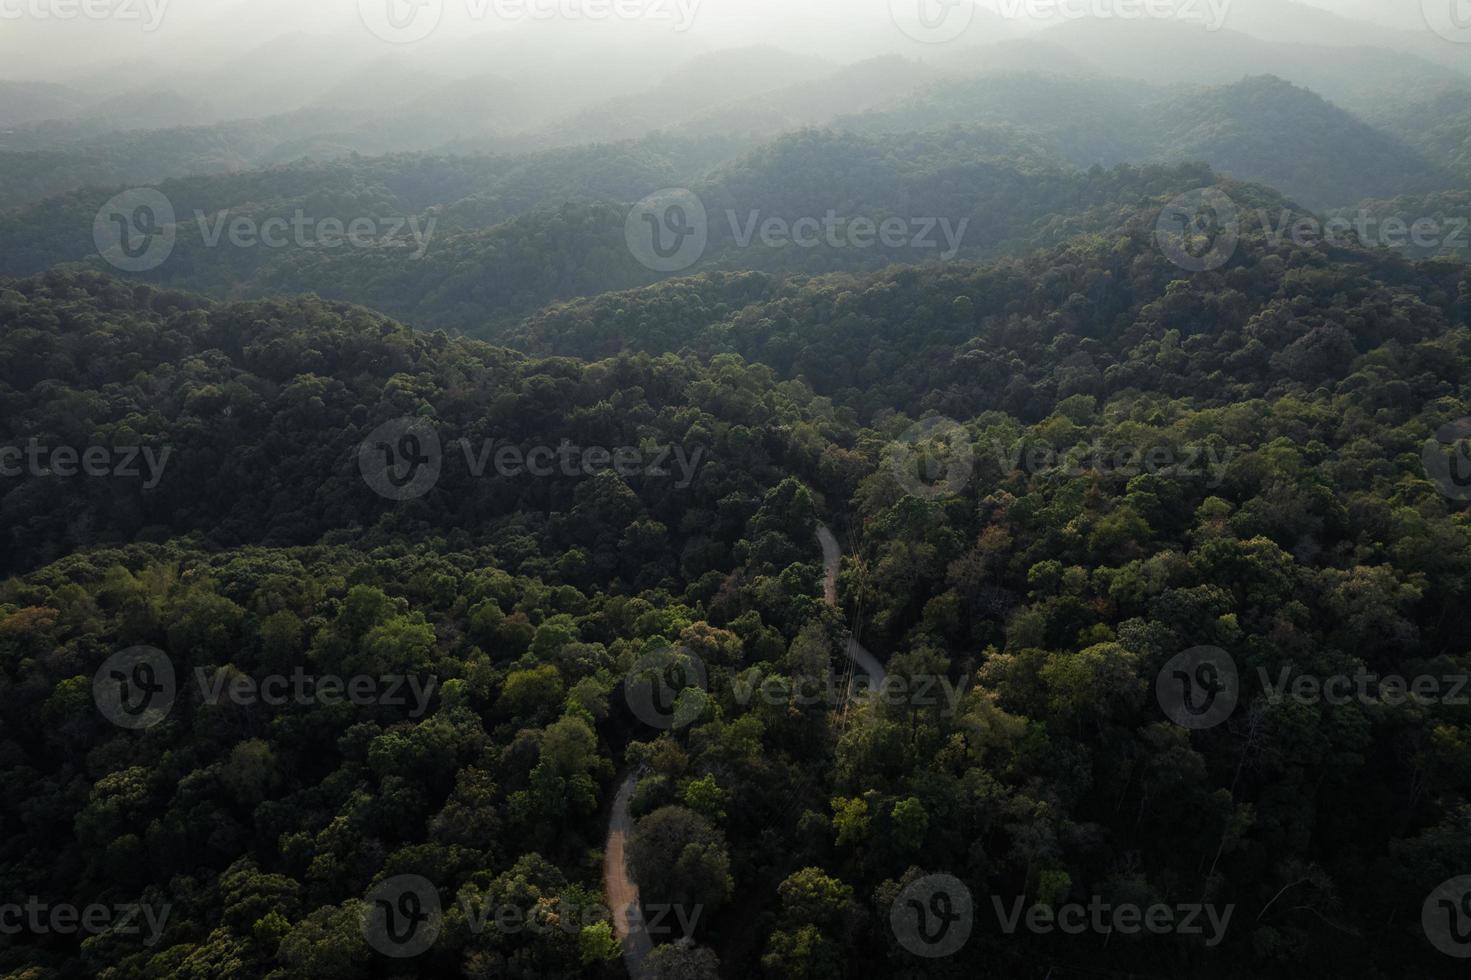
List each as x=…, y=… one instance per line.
x=258, y=84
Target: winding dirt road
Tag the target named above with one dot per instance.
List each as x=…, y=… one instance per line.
x=619, y=888
x=832, y=557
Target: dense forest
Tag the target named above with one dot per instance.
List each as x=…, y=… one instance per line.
x=1050, y=598
x=1065, y=582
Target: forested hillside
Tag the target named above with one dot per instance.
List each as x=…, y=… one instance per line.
x=491, y=247
x=1293, y=389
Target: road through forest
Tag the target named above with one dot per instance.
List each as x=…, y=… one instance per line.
x=832, y=557
x=619, y=887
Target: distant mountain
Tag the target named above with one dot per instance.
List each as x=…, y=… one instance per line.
x=463, y=193
x=380, y=83
x=1083, y=121
x=1261, y=129
x=27, y=102
x=1031, y=55
x=557, y=73
x=1175, y=53
x=1438, y=124
x=1286, y=21
x=504, y=245
x=852, y=88
x=165, y=109
x=1272, y=132
x=706, y=81
x=287, y=73
x=58, y=158
x=390, y=105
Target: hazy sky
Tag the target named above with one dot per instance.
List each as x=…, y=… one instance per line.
x=39, y=41
x=54, y=39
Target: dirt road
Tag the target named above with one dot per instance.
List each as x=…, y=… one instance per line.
x=621, y=890
x=832, y=557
